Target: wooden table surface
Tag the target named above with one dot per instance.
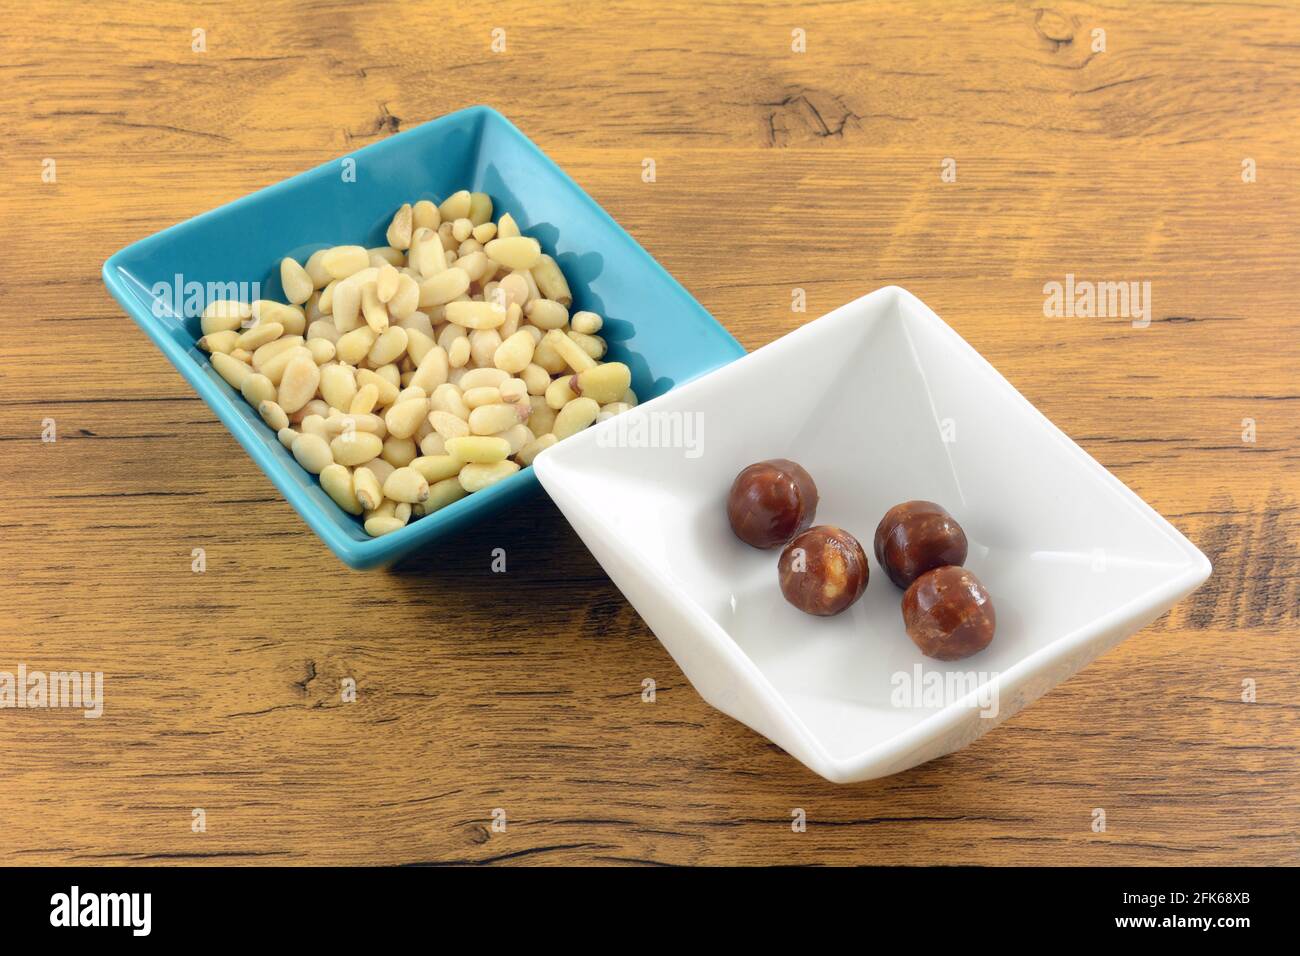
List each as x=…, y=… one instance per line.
x=776, y=169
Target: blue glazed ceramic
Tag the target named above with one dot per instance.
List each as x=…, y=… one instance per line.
x=651, y=322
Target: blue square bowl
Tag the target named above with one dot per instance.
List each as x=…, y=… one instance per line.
x=651, y=322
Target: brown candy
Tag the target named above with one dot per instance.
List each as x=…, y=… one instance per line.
x=948, y=614
x=770, y=502
x=916, y=536
x=823, y=570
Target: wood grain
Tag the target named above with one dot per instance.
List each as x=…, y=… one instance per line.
x=776, y=170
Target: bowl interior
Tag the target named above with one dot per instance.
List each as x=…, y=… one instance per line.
x=652, y=324
x=882, y=403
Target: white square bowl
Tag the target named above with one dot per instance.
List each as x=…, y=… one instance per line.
x=882, y=402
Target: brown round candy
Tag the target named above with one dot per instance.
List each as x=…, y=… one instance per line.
x=916, y=536
x=823, y=571
x=771, y=502
x=948, y=614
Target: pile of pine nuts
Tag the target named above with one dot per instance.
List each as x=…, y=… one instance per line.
x=412, y=374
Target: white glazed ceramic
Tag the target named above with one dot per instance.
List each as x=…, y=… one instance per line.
x=882, y=403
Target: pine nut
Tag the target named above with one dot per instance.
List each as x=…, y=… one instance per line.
x=458, y=355
x=550, y=280
x=298, y=384
x=353, y=346
x=366, y=488
x=386, y=282
x=560, y=392
x=314, y=407
x=404, y=417
x=342, y=261
x=291, y=318
x=433, y=444
x=388, y=346
x=406, y=299
x=322, y=350
x=456, y=206
x=604, y=383
x=514, y=354
x=517, y=252
x=379, y=525
x=547, y=314
x=542, y=419
x=475, y=265
x=474, y=315
x=275, y=366
x=381, y=470
x=312, y=452
x=258, y=335
x=241, y=355
x=356, y=448
x=314, y=425
x=372, y=310
x=485, y=232
x=399, y=451
x=273, y=415
x=347, y=305
x=224, y=315
x=287, y=436
x=490, y=419
x=448, y=425
x=436, y=468
x=475, y=477
x=428, y=255
x=448, y=398
x=483, y=395
x=575, y=416
x=406, y=484
x=263, y=355
x=588, y=323
x=513, y=390
x=432, y=370
x=570, y=351
x=460, y=230
x=337, y=482
x=443, y=287
x=424, y=215
x=443, y=493
x=550, y=360
x=536, y=379
x=223, y=342
x=298, y=285
x=387, y=387
x=256, y=389
x=323, y=329
x=507, y=228
x=483, y=449
x=593, y=345
x=364, y=401
x=338, y=386
x=516, y=437
x=483, y=344
x=514, y=289
x=399, y=230
x=319, y=277
x=418, y=345
x=231, y=369
x=535, y=448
